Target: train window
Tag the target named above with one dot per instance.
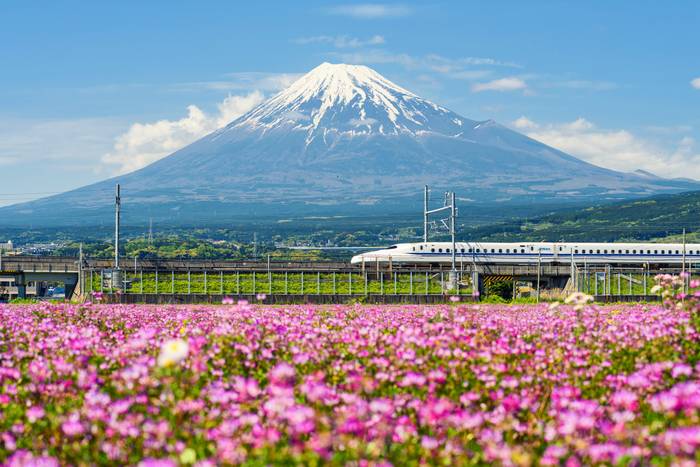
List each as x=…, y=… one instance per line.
x=500, y=250
x=656, y=251
x=507, y=250
x=634, y=252
x=413, y=249
x=432, y=250
x=663, y=252
x=493, y=250
x=575, y=252
x=447, y=250
x=470, y=250
x=421, y=247
x=560, y=248
x=522, y=250
x=677, y=252
x=439, y=250
x=478, y=250
x=627, y=252
x=462, y=250
x=598, y=251
x=605, y=252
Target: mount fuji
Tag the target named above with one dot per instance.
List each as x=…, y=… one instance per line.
x=344, y=139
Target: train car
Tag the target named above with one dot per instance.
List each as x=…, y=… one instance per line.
x=534, y=253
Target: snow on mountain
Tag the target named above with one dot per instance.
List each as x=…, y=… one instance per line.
x=350, y=99
x=343, y=135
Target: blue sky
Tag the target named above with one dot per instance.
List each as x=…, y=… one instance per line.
x=92, y=89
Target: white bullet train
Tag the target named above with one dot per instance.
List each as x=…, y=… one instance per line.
x=533, y=253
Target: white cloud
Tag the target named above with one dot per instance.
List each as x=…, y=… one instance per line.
x=619, y=149
x=243, y=81
x=586, y=84
x=503, y=84
x=341, y=42
x=42, y=157
x=524, y=123
x=695, y=83
x=370, y=10
x=459, y=68
x=145, y=143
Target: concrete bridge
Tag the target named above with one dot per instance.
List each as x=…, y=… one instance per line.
x=22, y=276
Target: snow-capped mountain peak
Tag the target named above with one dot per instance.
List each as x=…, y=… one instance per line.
x=350, y=99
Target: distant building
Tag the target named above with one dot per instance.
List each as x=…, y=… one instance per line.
x=7, y=246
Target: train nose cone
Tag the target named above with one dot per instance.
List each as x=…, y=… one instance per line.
x=356, y=259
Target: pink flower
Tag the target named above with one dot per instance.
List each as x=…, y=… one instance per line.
x=429, y=443
x=151, y=462
x=454, y=298
x=34, y=413
x=283, y=373
x=300, y=418
x=27, y=459
x=72, y=427
x=552, y=454
x=625, y=399
x=511, y=403
x=664, y=402
x=413, y=379
x=247, y=387
x=261, y=297
x=682, y=440
x=227, y=301
x=381, y=406
x=681, y=369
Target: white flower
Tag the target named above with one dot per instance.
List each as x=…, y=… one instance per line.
x=656, y=289
x=578, y=298
x=172, y=352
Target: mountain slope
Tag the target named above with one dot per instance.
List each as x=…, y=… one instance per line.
x=645, y=219
x=343, y=139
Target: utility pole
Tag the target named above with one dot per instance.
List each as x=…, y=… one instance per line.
x=81, y=282
x=426, y=194
x=115, y=275
x=451, y=206
x=539, y=268
x=150, y=231
x=683, y=267
x=255, y=245
x=117, y=220
x=453, y=219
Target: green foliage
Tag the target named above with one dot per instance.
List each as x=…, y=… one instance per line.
x=294, y=283
x=502, y=289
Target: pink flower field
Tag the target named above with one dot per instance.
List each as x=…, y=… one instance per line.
x=452, y=384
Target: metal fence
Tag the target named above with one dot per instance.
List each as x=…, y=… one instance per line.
x=290, y=282
x=604, y=280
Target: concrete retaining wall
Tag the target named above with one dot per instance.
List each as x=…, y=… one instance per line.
x=626, y=298
x=279, y=299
